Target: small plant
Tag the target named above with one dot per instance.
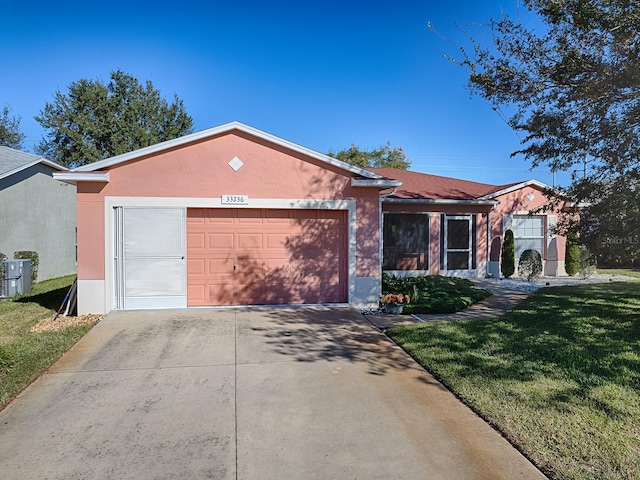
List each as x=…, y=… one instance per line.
x=571, y=256
x=530, y=264
x=508, y=261
x=3, y=267
x=586, y=262
x=391, y=298
x=29, y=255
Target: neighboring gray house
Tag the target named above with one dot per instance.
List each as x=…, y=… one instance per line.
x=37, y=212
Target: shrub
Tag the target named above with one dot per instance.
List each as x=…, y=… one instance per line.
x=434, y=293
x=508, y=261
x=571, y=256
x=530, y=264
x=586, y=262
x=29, y=255
x=3, y=268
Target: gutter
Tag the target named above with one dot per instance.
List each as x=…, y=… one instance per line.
x=74, y=177
x=432, y=201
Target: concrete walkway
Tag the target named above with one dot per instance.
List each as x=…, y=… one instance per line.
x=246, y=394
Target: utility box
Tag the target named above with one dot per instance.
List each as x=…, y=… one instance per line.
x=17, y=278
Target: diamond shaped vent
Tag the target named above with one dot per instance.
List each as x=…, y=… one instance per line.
x=236, y=163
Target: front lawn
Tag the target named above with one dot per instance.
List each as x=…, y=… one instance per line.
x=559, y=375
x=620, y=271
x=24, y=355
x=435, y=293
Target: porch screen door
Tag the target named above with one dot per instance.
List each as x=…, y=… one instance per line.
x=458, y=242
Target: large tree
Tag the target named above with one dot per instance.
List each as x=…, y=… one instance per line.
x=381, y=157
x=94, y=120
x=569, y=79
x=10, y=134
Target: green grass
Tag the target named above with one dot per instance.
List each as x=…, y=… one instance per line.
x=23, y=355
x=620, y=271
x=559, y=376
x=435, y=293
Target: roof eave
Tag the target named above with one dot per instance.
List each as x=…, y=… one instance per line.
x=75, y=177
x=42, y=160
x=439, y=201
x=381, y=183
x=513, y=188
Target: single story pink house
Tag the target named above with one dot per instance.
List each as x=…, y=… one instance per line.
x=441, y=225
x=235, y=216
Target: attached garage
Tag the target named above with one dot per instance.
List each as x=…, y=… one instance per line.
x=227, y=216
x=266, y=256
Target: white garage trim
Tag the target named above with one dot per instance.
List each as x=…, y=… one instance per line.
x=184, y=202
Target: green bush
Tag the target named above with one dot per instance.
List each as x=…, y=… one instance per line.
x=434, y=293
x=530, y=264
x=508, y=260
x=586, y=262
x=29, y=255
x=3, y=267
x=571, y=256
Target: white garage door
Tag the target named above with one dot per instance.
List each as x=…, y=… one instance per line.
x=149, y=263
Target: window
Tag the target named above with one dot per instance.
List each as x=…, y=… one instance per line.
x=528, y=232
x=405, y=241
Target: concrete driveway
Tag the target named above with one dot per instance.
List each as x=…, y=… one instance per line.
x=249, y=394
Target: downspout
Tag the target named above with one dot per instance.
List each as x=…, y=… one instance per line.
x=381, y=226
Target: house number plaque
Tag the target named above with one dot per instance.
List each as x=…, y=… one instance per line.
x=235, y=200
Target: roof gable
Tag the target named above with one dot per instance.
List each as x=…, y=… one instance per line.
x=504, y=189
x=217, y=131
x=13, y=161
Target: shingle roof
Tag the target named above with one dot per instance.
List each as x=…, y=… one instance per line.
x=434, y=187
x=12, y=160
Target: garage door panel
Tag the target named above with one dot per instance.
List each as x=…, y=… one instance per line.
x=273, y=216
x=196, y=266
x=276, y=240
x=281, y=256
x=196, y=293
x=220, y=294
x=218, y=266
x=250, y=240
x=248, y=216
x=222, y=216
x=220, y=241
x=196, y=241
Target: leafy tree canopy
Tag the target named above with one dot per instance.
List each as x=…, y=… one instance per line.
x=94, y=120
x=571, y=83
x=381, y=157
x=10, y=134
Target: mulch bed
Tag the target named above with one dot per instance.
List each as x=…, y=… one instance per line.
x=48, y=325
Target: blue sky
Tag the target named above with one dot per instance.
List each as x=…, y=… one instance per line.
x=321, y=74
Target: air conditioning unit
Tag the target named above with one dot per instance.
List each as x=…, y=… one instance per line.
x=17, y=278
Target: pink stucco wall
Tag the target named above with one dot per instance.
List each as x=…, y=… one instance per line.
x=518, y=203
x=201, y=170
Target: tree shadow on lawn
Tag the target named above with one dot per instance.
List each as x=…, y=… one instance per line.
x=50, y=300
x=581, y=336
